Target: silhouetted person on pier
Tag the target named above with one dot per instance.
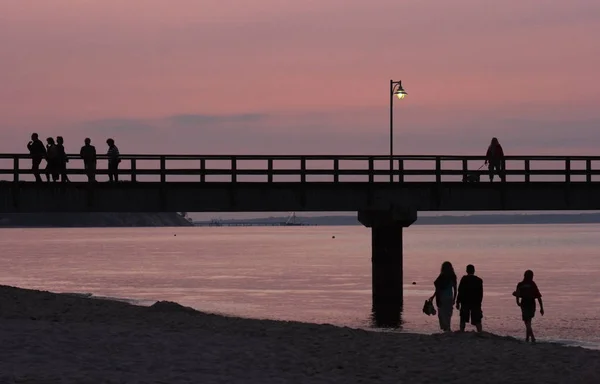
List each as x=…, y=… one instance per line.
x=62, y=159
x=494, y=158
x=38, y=153
x=113, y=161
x=88, y=154
x=469, y=299
x=526, y=293
x=52, y=160
x=445, y=295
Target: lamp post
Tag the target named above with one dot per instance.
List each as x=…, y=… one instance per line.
x=395, y=90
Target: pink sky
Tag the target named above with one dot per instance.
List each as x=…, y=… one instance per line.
x=311, y=77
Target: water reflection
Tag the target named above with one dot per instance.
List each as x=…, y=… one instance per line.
x=244, y=272
x=387, y=316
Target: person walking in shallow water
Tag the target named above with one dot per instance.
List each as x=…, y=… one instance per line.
x=445, y=295
x=526, y=293
x=494, y=159
x=469, y=299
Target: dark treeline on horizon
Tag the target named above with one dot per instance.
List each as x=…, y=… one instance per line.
x=558, y=218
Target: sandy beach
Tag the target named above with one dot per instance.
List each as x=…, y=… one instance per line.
x=61, y=338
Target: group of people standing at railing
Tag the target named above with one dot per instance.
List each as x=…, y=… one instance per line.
x=56, y=159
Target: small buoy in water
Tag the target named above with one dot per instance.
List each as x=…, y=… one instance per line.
x=175, y=235
x=414, y=283
x=333, y=237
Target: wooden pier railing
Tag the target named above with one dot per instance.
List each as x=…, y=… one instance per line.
x=316, y=168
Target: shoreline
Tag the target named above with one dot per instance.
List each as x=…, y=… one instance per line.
x=589, y=345
x=92, y=227
x=49, y=337
x=93, y=220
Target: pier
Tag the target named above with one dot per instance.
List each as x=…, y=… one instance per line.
x=387, y=200
x=214, y=183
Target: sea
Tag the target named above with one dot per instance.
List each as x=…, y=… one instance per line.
x=318, y=274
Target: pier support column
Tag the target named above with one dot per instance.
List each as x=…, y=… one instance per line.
x=386, y=256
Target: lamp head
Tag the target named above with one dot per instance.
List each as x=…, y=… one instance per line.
x=400, y=92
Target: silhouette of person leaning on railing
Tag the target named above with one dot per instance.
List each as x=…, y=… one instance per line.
x=52, y=160
x=113, y=161
x=38, y=153
x=88, y=155
x=494, y=158
x=62, y=159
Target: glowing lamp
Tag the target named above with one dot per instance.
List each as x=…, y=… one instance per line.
x=400, y=92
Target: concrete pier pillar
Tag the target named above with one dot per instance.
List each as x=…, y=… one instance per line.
x=386, y=259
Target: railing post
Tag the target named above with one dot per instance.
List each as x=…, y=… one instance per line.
x=336, y=170
x=163, y=169
x=438, y=169
x=202, y=170
x=270, y=170
x=527, y=171
x=233, y=169
x=401, y=170
x=303, y=169
x=133, y=170
x=16, y=168
x=588, y=170
x=371, y=169
x=391, y=169
x=465, y=169
x=568, y=170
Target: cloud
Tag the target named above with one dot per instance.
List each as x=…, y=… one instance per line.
x=179, y=124
x=529, y=130
x=117, y=126
x=204, y=119
x=363, y=131
x=566, y=133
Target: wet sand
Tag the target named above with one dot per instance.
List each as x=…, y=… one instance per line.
x=60, y=338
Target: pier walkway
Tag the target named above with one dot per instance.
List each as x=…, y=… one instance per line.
x=215, y=183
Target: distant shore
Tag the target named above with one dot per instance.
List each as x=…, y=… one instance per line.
x=92, y=220
x=470, y=219
x=49, y=338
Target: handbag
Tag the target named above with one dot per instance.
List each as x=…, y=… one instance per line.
x=428, y=308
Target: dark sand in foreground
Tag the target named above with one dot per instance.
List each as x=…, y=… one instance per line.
x=52, y=338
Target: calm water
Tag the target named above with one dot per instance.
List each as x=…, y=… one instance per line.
x=302, y=273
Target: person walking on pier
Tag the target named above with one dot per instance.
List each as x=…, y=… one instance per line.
x=494, y=159
x=469, y=299
x=113, y=161
x=445, y=295
x=38, y=153
x=52, y=165
x=62, y=159
x=88, y=154
x=526, y=293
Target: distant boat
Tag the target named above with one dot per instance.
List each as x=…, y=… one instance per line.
x=185, y=216
x=292, y=220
